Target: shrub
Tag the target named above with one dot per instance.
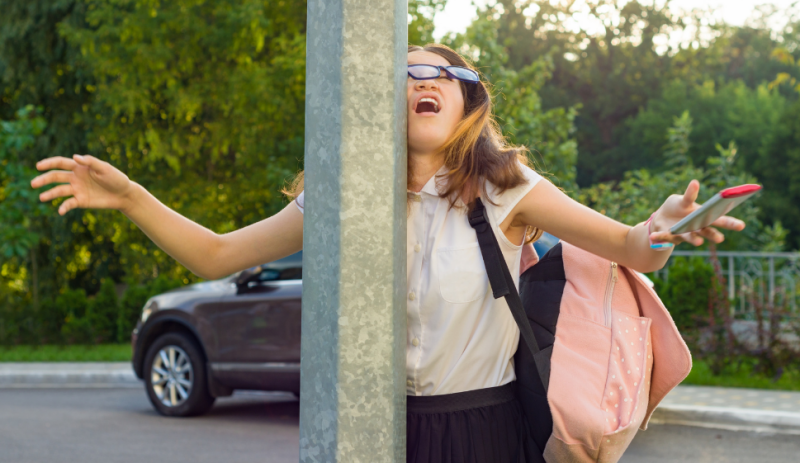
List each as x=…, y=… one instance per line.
x=130, y=307
x=686, y=291
x=102, y=313
x=76, y=328
x=50, y=319
x=74, y=318
x=773, y=350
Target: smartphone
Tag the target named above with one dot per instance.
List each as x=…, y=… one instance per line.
x=714, y=208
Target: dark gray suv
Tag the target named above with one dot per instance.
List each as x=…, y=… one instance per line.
x=202, y=341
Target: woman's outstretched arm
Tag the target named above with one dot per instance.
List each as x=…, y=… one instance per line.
x=90, y=183
x=548, y=208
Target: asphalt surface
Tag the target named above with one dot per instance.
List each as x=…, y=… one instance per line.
x=669, y=443
x=120, y=426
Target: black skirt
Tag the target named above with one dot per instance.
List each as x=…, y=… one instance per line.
x=481, y=426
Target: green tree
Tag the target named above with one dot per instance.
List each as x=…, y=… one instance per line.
x=778, y=167
x=641, y=191
x=202, y=103
x=420, y=20
x=611, y=57
x=518, y=105
x=22, y=217
x=759, y=121
x=610, y=72
x=103, y=312
x=41, y=68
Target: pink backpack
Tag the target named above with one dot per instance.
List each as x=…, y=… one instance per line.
x=598, y=350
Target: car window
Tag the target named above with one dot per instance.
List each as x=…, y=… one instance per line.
x=295, y=273
x=288, y=268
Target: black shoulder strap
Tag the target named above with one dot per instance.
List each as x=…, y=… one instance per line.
x=499, y=276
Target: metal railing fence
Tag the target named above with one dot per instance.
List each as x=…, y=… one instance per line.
x=765, y=277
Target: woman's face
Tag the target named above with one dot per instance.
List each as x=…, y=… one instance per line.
x=431, y=125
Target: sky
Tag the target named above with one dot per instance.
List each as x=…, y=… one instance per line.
x=458, y=14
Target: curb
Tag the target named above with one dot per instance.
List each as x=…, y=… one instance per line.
x=728, y=418
x=67, y=375
x=120, y=375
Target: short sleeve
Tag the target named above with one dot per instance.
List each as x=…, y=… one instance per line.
x=507, y=200
x=300, y=201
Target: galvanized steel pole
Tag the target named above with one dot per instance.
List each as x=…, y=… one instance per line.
x=352, y=406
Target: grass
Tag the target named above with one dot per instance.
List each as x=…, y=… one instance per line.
x=701, y=376
x=74, y=353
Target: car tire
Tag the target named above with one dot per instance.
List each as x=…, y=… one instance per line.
x=175, y=376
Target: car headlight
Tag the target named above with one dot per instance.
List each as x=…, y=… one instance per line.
x=149, y=308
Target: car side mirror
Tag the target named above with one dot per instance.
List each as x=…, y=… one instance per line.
x=248, y=275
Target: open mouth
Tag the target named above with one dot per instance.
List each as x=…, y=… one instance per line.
x=427, y=105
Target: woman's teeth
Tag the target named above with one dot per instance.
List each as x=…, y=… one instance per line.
x=427, y=105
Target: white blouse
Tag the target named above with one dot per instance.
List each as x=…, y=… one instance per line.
x=459, y=337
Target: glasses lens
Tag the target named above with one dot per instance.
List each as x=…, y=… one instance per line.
x=464, y=74
x=423, y=71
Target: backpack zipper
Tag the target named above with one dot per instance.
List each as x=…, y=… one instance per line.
x=612, y=281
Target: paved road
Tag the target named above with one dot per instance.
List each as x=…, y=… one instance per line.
x=120, y=426
x=677, y=444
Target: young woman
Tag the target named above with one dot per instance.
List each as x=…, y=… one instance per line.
x=461, y=340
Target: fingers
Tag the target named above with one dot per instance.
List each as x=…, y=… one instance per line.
x=90, y=161
x=67, y=206
x=54, y=176
x=690, y=196
x=712, y=234
x=58, y=162
x=729, y=223
x=695, y=238
x=57, y=192
x=666, y=237
x=692, y=238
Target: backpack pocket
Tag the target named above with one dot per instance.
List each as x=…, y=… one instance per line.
x=578, y=379
x=627, y=391
x=627, y=368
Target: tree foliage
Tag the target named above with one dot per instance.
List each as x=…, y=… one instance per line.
x=420, y=20
x=202, y=102
x=548, y=134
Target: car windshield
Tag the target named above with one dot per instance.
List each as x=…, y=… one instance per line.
x=292, y=264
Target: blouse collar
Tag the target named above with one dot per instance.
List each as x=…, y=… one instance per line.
x=430, y=186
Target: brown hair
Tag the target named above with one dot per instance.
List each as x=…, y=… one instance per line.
x=476, y=153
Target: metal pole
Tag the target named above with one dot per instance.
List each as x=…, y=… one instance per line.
x=353, y=398
x=731, y=287
x=771, y=282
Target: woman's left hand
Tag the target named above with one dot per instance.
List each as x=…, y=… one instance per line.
x=675, y=208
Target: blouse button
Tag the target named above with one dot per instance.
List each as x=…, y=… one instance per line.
x=412, y=296
x=415, y=342
x=417, y=248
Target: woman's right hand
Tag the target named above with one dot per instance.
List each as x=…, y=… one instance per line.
x=91, y=183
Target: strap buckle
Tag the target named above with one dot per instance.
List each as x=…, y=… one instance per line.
x=478, y=215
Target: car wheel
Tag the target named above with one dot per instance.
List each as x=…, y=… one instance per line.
x=175, y=376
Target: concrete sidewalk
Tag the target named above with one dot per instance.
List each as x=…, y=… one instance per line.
x=735, y=409
x=712, y=407
x=63, y=374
